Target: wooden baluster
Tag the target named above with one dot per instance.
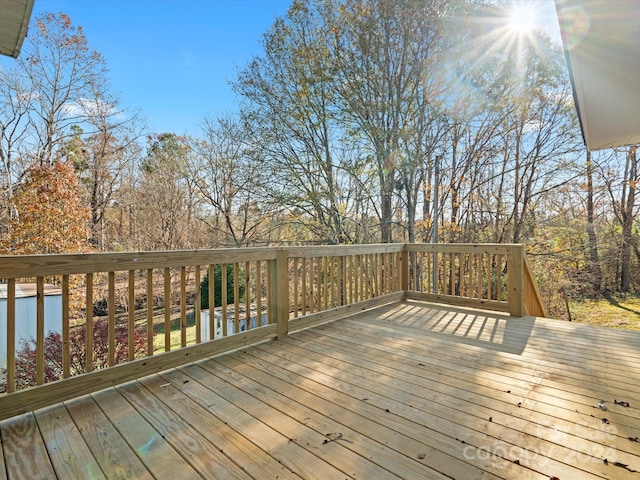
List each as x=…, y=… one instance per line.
x=304, y=285
x=111, y=319
x=131, y=318
x=40, y=330
x=11, y=335
x=212, y=303
x=368, y=276
x=183, y=306
x=489, y=277
x=89, y=321
x=334, y=281
x=419, y=271
x=452, y=278
x=236, y=297
x=378, y=272
x=150, y=312
x=223, y=299
x=66, y=362
x=270, y=312
x=295, y=288
x=499, y=278
x=356, y=279
x=247, y=295
x=282, y=293
x=311, y=285
x=480, y=276
x=167, y=309
x=344, y=285
x=461, y=274
x=198, y=305
x=322, y=303
x=258, y=294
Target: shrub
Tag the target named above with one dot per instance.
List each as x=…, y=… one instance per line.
x=26, y=354
x=217, y=283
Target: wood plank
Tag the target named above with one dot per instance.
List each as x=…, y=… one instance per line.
x=3, y=469
x=364, y=434
x=336, y=453
x=191, y=445
x=160, y=459
x=37, y=397
x=594, y=375
x=116, y=458
x=459, y=407
x=68, y=452
x=447, y=423
x=470, y=391
x=247, y=455
x=203, y=389
x=453, y=358
x=25, y=455
x=444, y=452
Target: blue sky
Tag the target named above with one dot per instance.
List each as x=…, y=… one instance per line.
x=172, y=59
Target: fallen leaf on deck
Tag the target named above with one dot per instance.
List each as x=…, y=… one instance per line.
x=625, y=466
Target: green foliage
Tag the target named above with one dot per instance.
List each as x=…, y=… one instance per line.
x=217, y=284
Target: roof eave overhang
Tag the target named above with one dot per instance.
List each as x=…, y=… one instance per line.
x=14, y=24
x=601, y=41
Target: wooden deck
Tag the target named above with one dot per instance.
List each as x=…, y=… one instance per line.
x=411, y=390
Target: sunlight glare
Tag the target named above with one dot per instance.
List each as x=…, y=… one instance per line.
x=522, y=18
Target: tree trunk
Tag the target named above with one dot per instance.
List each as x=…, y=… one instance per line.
x=627, y=221
x=595, y=272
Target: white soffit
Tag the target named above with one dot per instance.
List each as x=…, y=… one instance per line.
x=602, y=46
x=14, y=21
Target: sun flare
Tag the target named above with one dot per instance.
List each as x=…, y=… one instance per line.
x=522, y=18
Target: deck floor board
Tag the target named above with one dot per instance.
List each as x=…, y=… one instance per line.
x=411, y=390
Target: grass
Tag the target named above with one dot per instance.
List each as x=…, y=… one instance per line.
x=619, y=311
x=158, y=328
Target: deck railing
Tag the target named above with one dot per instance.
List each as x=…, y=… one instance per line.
x=126, y=315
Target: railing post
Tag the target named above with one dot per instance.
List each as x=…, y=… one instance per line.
x=280, y=292
x=515, y=281
x=404, y=270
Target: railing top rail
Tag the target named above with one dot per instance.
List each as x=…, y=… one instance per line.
x=17, y=266
x=339, y=250
x=493, y=248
